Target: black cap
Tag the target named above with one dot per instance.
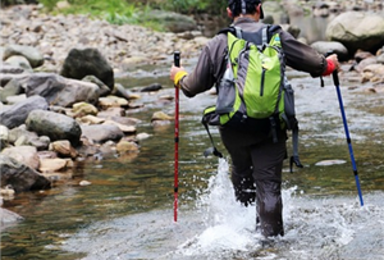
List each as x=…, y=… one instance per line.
x=244, y=2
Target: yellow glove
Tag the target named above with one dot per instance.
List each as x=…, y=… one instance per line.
x=179, y=75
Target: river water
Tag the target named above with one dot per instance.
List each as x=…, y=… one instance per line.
x=127, y=211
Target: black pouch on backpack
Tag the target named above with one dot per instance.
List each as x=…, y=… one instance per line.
x=289, y=115
x=227, y=94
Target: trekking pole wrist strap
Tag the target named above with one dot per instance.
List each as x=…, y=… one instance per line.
x=179, y=75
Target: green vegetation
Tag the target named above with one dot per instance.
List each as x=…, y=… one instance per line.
x=129, y=11
x=133, y=12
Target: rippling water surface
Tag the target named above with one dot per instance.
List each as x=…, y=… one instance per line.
x=127, y=211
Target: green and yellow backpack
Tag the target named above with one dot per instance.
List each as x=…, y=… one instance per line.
x=254, y=86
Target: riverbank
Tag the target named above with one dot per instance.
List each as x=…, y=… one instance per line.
x=123, y=46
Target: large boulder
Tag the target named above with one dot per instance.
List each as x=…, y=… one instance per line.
x=81, y=63
x=357, y=30
x=55, y=126
x=18, y=113
x=20, y=176
x=58, y=90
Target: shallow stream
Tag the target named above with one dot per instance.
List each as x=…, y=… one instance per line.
x=127, y=211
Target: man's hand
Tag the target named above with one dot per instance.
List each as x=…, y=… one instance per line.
x=174, y=71
x=176, y=74
x=333, y=58
x=333, y=64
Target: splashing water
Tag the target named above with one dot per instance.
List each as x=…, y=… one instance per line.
x=229, y=226
x=218, y=227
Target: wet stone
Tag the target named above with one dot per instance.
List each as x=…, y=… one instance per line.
x=330, y=162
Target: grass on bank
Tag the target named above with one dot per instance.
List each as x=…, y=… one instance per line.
x=113, y=11
x=132, y=11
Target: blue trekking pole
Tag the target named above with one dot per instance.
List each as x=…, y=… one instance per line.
x=337, y=85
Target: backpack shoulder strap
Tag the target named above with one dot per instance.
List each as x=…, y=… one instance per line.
x=237, y=31
x=230, y=29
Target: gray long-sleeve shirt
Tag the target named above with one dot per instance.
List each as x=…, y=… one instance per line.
x=211, y=63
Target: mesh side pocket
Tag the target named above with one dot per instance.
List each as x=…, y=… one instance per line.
x=289, y=115
x=227, y=93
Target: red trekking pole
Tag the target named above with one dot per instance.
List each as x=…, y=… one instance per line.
x=176, y=184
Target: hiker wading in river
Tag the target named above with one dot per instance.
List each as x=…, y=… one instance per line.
x=256, y=154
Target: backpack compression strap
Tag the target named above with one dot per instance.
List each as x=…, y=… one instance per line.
x=211, y=150
x=295, y=144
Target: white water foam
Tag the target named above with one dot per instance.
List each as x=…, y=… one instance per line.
x=219, y=228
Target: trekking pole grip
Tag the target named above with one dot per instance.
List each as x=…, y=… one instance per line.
x=336, y=78
x=176, y=58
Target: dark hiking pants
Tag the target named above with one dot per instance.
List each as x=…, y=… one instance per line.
x=256, y=174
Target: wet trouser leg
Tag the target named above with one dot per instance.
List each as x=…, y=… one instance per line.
x=242, y=178
x=258, y=162
x=268, y=162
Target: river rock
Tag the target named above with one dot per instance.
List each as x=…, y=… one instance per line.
x=152, y=87
x=33, y=55
x=4, y=136
x=112, y=101
x=58, y=90
x=20, y=176
x=324, y=47
x=18, y=113
x=20, y=136
x=55, y=126
x=373, y=73
x=330, y=162
x=120, y=91
x=81, y=63
x=11, y=100
x=111, y=112
x=10, y=69
x=24, y=154
x=90, y=120
x=362, y=55
x=83, y=108
x=357, y=30
x=64, y=148
x=11, y=85
x=19, y=61
x=380, y=58
x=173, y=22
x=159, y=115
x=125, y=146
x=142, y=136
x=102, y=133
x=40, y=142
x=127, y=129
x=103, y=89
x=8, y=218
x=364, y=63
x=52, y=165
